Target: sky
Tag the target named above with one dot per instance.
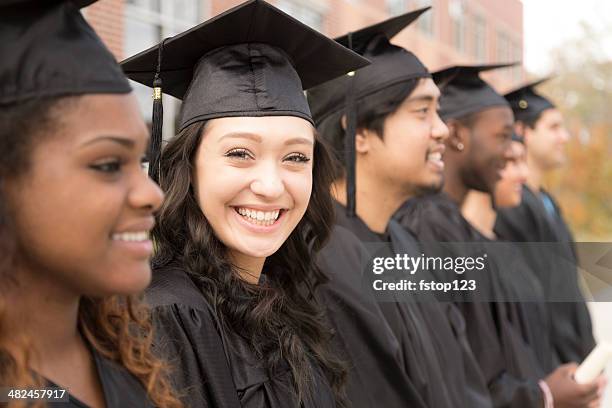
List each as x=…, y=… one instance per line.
x=548, y=23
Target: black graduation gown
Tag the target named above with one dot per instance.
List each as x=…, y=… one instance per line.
x=213, y=368
x=120, y=387
x=530, y=310
x=572, y=330
x=431, y=355
x=526, y=306
x=376, y=372
x=447, y=327
x=505, y=358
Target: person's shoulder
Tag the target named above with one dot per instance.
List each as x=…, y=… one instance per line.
x=177, y=305
x=424, y=205
x=122, y=387
x=172, y=286
x=345, y=239
x=433, y=216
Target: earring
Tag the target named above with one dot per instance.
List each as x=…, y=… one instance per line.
x=460, y=146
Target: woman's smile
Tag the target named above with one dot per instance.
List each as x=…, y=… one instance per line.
x=259, y=220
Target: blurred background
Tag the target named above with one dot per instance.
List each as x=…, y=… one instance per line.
x=570, y=40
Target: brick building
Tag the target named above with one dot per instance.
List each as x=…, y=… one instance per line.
x=454, y=31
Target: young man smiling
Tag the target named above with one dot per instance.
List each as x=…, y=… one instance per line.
x=480, y=123
x=391, y=135
x=539, y=219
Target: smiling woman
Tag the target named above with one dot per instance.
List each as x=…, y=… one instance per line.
x=75, y=214
x=247, y=208
x=254, y=187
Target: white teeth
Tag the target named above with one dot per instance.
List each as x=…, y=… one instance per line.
x=435, y=156
x=259, y=217
x=131, y=236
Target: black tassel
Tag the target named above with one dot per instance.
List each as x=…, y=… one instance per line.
x=156, y=131
x=157, y=121
x=349, y=141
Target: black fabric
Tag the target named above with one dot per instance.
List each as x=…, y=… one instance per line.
x=526, y=103
x=504, y=357
x=120, y=388
x=463, y=376
x=49, y=50
x=252, y=60
x=433, y=357
x=464, y=92
x=213, y=367
x=363, y=337
x=390, y=65
x=528, y=308
x=572, y=330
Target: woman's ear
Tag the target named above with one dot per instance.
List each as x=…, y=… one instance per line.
x=519, y=128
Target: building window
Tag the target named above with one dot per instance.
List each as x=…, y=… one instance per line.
x=395, y=7
x=503, y=47
x=456, y=11
x=308, y=15
x=425, y=23
x=479, y=43
x=149, y=5
x=147, y=22
x=518, y=56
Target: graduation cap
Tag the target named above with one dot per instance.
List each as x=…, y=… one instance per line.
x=391, y=65
x=465, y=92
x=526, y=103
x=252, y=60
x=49, y=50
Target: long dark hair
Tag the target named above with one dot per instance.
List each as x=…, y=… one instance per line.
x=117, y=327
x=280, y=318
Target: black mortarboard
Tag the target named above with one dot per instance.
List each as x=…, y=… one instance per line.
x=526, y=103
x=47, y=49
x=253, y=60
x=391, y=65
x=465, y=92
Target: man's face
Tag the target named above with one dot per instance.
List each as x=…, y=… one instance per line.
x=546, y=141
x=409, y=155
x=487, y=148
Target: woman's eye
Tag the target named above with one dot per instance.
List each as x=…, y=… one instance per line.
x=241, y=154
x=298, y=158
x=422, y=111
x=111, y=166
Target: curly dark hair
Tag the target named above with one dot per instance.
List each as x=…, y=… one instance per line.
x=280, y=318
x=117, y=327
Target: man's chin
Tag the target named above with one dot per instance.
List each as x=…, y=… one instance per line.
x=430, y=188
